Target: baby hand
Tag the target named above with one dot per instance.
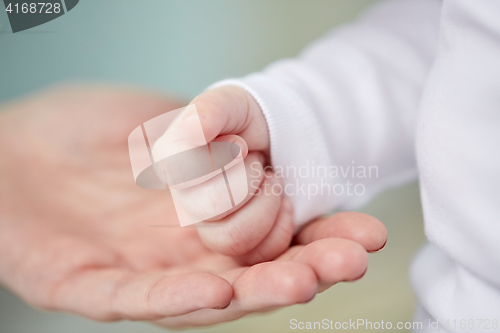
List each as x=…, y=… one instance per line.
x=260, y=226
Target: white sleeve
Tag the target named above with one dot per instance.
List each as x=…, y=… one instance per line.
x=457, y=278
x=342, y=115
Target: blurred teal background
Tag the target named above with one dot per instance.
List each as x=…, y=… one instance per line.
x=176, y=46
x=180, y=47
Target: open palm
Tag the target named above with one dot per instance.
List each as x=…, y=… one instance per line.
x=78, y=235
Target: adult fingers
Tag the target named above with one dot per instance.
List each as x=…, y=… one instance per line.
x=333, y=260
x=361, y=228
x=293, y=279
x=259, y=288
x=112, y=294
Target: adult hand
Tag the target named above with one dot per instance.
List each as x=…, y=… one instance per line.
x=78, y=235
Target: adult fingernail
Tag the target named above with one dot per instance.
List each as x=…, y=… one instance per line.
x=221, y=307
x=383, y=246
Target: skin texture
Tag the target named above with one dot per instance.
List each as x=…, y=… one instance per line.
x=77, y=235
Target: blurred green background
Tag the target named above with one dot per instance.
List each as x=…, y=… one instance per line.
x=180, y=47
